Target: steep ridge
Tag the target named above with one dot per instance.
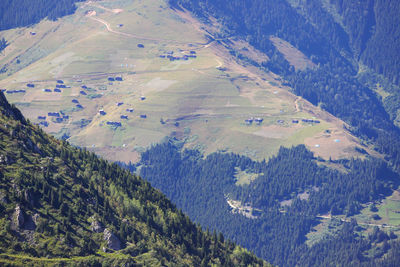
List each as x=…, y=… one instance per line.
x=63, y=205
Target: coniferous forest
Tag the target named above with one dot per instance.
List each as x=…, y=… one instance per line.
x=20, y=13
x=65, y=206
x=202, y=187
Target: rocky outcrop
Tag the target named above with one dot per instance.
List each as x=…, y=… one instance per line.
x=96, y=226
x=19, y=217
x=113, y=241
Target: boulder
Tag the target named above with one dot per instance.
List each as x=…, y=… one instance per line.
x=113, y=241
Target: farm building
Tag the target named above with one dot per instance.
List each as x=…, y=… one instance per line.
x=114, y=123
x=248, y=121
x=118, y=79
x=46, y=90
x=258, y=120
x=53, y=114
x=57, y=90
x=60, y=86
x=111, y=79
x=75, y=101
x=129, y=110
x=84, y=87
x=15, y=91
x=310, y=121
x=83, y=93
x=41, y=117
x=60, y=81
x=143, y=116
x=79, y=106
x=31, y=85
x=125, y=117
x=102, y=112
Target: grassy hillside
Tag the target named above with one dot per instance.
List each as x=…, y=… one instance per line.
x=203, y=101
x=63, y=205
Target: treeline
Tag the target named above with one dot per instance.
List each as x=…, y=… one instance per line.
x=67, y=197
x=20, y=13
x=202, y=186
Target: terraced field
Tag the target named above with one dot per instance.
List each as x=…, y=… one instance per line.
x=156, y=72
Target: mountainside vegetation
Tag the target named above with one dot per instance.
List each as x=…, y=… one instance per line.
x=20, y=13
x=273, y=213
x=374, y=32
x=64, y=205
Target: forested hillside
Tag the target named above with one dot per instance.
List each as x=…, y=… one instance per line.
x=373, y=28
x=204, y=187
x=63, y=205
x=19, y=13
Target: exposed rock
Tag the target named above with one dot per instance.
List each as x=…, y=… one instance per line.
x=96, y=226
x=28, y=197
x=112, y=241
x=19, y=217
x=35, y=218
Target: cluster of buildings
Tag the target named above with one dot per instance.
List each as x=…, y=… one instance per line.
x=170, y=55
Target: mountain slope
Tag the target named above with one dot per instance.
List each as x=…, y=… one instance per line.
x=335, y=84
x=187, y=80
x=62, y=204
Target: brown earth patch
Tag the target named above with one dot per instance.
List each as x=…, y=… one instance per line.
x=292, y=54
x=335, y=145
